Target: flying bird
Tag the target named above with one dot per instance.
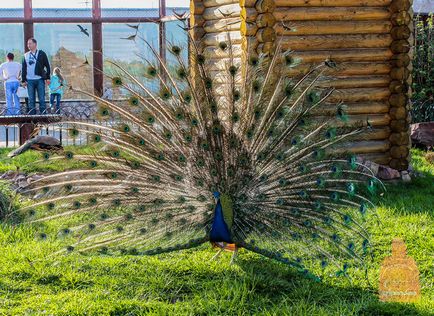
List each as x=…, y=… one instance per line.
x=130, y=38
x=83, y=30
x=136, y=27
x=247, y=167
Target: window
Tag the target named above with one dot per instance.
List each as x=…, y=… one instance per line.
x=64, y=9
x=12, y=9
x=68, y=47
x=119, y=46
x=177, y=4
x=129, y=8
x=11, y=41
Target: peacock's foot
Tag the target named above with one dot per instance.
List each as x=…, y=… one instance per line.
x=234, y=256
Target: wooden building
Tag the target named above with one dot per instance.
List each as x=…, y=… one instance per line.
x=370, y=40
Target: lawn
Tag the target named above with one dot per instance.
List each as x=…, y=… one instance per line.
x=189, y=283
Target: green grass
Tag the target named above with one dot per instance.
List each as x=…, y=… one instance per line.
x=188, y=283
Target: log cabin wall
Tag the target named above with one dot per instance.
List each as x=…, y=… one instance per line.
x=368, y=39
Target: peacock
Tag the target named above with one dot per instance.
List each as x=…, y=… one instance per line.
x=247, y=158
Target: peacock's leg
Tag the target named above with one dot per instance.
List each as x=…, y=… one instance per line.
x=234, y=255
x=217, y=254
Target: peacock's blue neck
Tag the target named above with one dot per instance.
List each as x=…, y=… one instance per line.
x=219, y=230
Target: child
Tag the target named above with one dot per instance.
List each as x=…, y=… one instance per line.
x=56, y=86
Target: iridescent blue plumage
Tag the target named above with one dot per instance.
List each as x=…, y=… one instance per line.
x=219, y=229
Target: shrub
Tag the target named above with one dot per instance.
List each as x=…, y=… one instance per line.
x=423, y=70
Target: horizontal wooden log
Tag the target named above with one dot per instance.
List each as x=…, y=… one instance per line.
x=354, y=82
x=401, y=60
x=399, y=73
x=341, y=55
x=334, y=27
x=399, y=138
x=359, y=95
x=222, y=77
x=213, y=39
x=331, y=13
x=398, y=86
x=332, y=3
x=398, y=126
x=398, y=100
x=365, y=147
x=266, y=34
x=347, y=69
x=263, y=6
x=380, y=158
x=222, y=64
x=314, y=42
x=398, y=113
x=216, y=3
x=376, y=133
x=400, y=5
x=400, y=46
x=400, y=32
x=354, y=108
x=222, y=25
x=216, y=52
x=401, y=18
x=265, y=20
x=399, y=151
x=222, y=12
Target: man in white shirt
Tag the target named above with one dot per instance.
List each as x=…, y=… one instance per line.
x=10, y=72
x=35, y=75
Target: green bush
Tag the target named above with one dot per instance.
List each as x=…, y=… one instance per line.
x=423, y=70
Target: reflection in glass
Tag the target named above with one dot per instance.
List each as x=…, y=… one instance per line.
x=12, y=9
x=122, y=45
x=11, y=41
x=130, y=8
x=64, y=9
x=68, y=48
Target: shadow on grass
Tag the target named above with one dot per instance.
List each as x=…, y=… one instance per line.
x=284, y=284
x=415, y=197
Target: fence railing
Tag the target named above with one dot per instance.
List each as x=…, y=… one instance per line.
x=82, y=110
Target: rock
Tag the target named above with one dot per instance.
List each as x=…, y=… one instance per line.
x=372, y=166
x=405, y=176
x=422, y=134
x=387, y=173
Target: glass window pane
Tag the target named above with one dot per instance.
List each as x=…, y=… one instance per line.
x=12, y=9
x=175, y=35
x=130, y=8
x=68, y=48
x=64, y=9
x=11, y=41
x=120, y=46
x=177, y=4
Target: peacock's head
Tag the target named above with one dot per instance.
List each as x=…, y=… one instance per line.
x=216, y=194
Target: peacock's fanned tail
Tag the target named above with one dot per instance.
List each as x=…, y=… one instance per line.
x=246, y=135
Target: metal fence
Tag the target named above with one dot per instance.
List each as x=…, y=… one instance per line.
x=71, y=110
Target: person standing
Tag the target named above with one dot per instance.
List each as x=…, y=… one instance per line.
x=57, y=83
x=10, y=71
x=35, y=74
